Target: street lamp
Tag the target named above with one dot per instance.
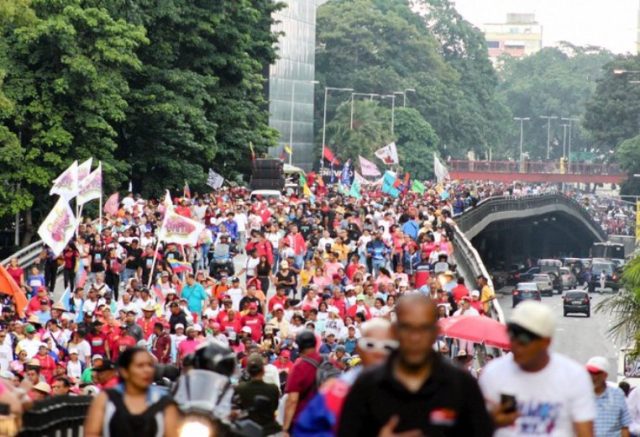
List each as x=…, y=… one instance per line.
x=393, y=108
x=521, y=120
x=564, y=139
x=324, y=118
x=549, y=118
x=621, y=71
x=404, y=95
x=570, y=120
x=370, y=95
x=293, y=102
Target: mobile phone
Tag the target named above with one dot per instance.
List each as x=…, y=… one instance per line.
x=508, y=403
x=5, y=410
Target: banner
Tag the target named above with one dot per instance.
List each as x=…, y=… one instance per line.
x=8, y=286
x=214, y=180
x=368, y=168
x=90, y=187
x=389, y=184
x=439, y=169
x=346, y=175
x=357, y=177
x=388, y=154
x=57, y=229
x=66, y=185
x=111, y=206
x=418, y=187
x=84, y=169
x=180, y=230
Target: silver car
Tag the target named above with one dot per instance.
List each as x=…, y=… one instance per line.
x=568, y=279
x=544, y=282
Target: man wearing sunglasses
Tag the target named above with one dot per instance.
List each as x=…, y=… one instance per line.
x=532, y=391
x=416, y=391
x=320, y=418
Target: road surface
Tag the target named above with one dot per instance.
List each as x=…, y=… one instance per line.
x=577, y=336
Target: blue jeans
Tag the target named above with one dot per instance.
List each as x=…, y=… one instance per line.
x=203, y=262
x=126, y=275
x=377, y=264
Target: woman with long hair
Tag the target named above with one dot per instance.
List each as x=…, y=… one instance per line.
x=133, y=408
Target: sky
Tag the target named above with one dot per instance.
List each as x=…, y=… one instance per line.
x=611, y=24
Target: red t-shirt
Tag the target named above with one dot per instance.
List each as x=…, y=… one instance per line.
x=459, y=291
x=276, y=300
x=302, y=380
x=256, y=323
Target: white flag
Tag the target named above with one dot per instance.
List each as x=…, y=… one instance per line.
x=180, y=230
x=90, y=186
x=388, y=154
x=66, y=185
x=439, y=169
x=214, y=180
x=83, y=170
x=368, y=168
x=360, y=179
x=57, y=229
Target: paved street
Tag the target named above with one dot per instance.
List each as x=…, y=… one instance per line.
x=577, y=336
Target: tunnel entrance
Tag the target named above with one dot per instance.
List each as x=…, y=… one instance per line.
x=513, y=241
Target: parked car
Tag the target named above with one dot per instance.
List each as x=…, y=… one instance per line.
x=552, y=268
x=612, y=277
x=544, y=282
x=576, y=301
x=527, y=275
x=568, y=278
x=525, y=291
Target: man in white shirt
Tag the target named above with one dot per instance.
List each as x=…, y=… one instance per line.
x=242, y=221
x=533, y=391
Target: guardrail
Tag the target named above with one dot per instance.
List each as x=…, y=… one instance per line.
x=27, y=255
x=470, y=218
x=471, y=262
x=56, y=416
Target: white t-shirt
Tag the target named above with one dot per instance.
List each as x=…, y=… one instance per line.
x=549, y=401
x=242, y=221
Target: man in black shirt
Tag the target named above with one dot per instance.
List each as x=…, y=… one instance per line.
x=416, y=390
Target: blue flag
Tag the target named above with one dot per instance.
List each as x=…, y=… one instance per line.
x=345, y=176
x=388, y=182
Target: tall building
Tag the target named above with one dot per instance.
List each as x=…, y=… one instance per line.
x=519, y=36
x=638, y=32
x=291, y=87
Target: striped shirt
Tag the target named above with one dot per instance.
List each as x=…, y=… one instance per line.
x=612, y=413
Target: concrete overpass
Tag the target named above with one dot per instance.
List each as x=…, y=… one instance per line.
x=505, y=230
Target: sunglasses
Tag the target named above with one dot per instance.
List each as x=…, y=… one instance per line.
x=521, y=335
x=371, y=344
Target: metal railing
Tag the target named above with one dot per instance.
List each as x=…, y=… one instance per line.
x=56, y=416
x=471, y=217
x=27, y=255
x=579, y=168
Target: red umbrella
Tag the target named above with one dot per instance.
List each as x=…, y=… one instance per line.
x=478, y=329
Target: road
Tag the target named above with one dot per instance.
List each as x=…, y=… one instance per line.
x=577, y=336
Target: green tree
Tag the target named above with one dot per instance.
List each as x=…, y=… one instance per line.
x=371, y=130
x=417, y=141
x=199, y=100
x=63, y=64
x=613, y=112
x=556, y=82
x=628, y=155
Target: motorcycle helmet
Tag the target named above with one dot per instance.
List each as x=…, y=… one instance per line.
x=215, y=357
x=306, y=339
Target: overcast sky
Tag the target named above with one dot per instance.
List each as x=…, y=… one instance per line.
x=608, y=23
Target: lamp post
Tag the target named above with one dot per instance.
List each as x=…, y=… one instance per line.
x=568, y=156
x=393, y=109
x=293, y=102
x=370, y=95
x=324, y=118
x=521, y=120
x=549, y=118
x=404, y=96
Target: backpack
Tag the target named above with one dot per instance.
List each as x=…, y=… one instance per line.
x=325, y=370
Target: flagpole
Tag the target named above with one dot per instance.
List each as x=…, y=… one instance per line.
x=153, y=263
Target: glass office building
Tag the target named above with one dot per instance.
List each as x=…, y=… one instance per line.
x=290, y=80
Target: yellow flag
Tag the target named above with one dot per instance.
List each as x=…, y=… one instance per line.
x=287, y=148
x=306, y=191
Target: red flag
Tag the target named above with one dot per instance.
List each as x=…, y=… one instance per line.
x=111, y=206
x=329, y=156
x=9, y=286
x=406, y=181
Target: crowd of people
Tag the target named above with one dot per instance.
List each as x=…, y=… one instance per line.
x=295, y=288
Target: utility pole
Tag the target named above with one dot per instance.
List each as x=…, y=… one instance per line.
x=570, y=120
x=549, y=118
x=521, y=120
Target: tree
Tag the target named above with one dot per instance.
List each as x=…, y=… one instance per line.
x=613, y=112
x=417, y=141
x=628, y=155
x=63, y=62
x=555, y=82
x=624, y=306
x=199, y=100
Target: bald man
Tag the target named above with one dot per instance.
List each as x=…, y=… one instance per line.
x=321, y=416
x=416, y=391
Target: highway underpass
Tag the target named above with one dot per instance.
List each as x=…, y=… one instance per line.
x=508, y=230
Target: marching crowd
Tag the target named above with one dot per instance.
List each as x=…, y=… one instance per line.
x=301, y=291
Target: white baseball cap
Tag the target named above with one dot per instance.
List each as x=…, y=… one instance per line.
x=598, y=364
x=246, y=329
x=535, y=317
